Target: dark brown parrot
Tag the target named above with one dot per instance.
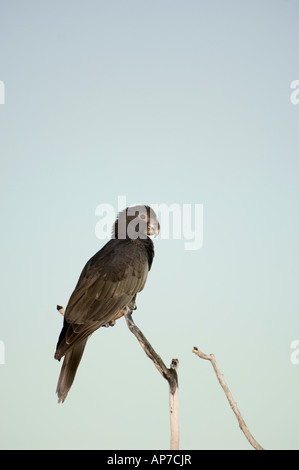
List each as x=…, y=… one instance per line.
x=107, y=287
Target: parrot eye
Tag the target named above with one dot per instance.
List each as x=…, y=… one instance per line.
x=142, y=216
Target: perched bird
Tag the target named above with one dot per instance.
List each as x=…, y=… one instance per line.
x=107, y=287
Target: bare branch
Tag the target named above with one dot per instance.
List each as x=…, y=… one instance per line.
x=243, y=426
x=170, y=374
x=174, y=411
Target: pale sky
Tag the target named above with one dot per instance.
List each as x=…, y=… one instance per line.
x=163, y=102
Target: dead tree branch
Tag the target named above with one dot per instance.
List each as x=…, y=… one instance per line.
x=243, y=426
x=170, y=374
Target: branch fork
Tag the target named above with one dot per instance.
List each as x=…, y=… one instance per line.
x=170, y=374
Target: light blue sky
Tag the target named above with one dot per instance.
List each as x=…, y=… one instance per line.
x=164, y=102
